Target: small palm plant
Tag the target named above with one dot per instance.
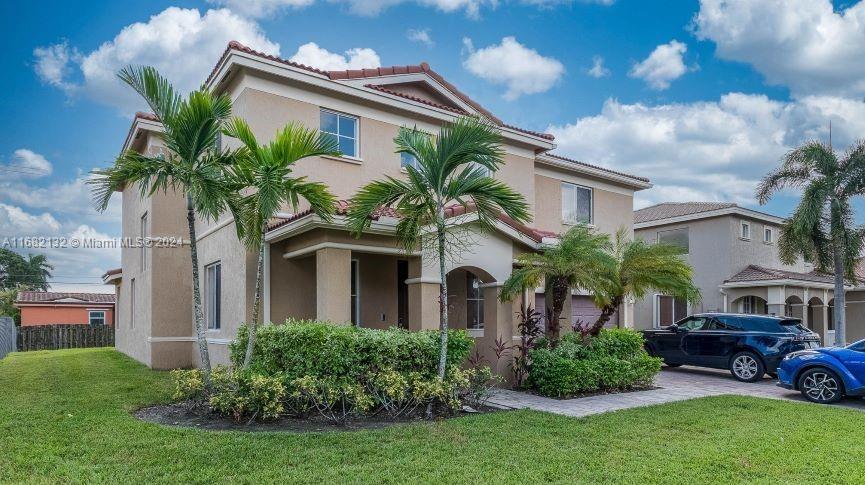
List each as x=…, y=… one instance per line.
x=640, y=268
x=821, y=229
x=264, y=175
x=577, y=261
x=452, y=168
x=192, y=165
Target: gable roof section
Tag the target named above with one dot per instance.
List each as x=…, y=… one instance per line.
x=634, y=181
x=671, y=212
x=361, y=74
x=63, y=297
x=755, y=273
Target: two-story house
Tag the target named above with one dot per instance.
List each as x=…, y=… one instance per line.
x=318, y=269
x=734, y=253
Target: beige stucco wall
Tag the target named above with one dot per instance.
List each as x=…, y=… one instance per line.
x=612, y=209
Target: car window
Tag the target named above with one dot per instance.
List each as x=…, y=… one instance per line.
x=858, y=346
x=694, y=323
x=728, y=322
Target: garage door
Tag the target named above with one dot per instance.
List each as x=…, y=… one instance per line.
x=583, y=309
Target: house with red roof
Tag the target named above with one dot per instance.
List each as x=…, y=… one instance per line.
x=318, y=269
x=52, y=308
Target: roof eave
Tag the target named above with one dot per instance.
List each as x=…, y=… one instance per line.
x=727, y=211
x=631, y=182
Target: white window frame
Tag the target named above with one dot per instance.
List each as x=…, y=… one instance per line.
x=745, y=231
x=143, y=227
x=656, y=309
x=748, y=305
x=354, y=298
x=356, y=119
x=403, y=156
x=132, y=303
x=687, y=229
x=576, y=189
x=90, y=317
x=477, y=302
x=768, y=235
x=213, y=303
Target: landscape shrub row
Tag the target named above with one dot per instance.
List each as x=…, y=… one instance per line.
x=613, y=361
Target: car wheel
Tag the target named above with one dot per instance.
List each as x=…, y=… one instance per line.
x=747, y=367
x=821, y=385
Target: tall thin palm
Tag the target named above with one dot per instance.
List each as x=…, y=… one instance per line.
x=640, y=268
x=265, y=175
x=821, y=229
x=577, y=261
x=452, y=168
x=192, y=165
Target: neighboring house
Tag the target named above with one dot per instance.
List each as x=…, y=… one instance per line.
x=734, y=253
x=317, y=269
x=49, y=308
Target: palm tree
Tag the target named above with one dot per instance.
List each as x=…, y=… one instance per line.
x=640, y=268
x=454, y=167
x=577, y=261
x=193, y=164
x=264, y=174
x=822, y=229
x=38, y=271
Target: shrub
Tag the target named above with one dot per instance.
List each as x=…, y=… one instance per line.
x=245, y=394
x=613, y=361
x=337, y=399
x=307, y=348
x=188, y=384
x=479, y=385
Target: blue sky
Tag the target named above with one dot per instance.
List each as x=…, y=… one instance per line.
x=700, y=96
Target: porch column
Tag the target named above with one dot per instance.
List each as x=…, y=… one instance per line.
x=628, y=313
x=498, y=325
x=805, y=302
x=776, y=299
x=333, y=285
x=423, y=298
x=828, y=335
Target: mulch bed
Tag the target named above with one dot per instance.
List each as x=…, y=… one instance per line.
x=200, y=417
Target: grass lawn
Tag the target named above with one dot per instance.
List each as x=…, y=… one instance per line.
x=64, y=416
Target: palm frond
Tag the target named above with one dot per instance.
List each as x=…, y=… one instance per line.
x=156, y=90
x=131, y=168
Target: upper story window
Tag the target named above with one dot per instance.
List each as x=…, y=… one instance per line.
x=745, y=231
x=408, y=160
x=143, y=242
x=768, y=235
x=676, y=237
x=343, y=129
x=576, y=204
x=213, y=295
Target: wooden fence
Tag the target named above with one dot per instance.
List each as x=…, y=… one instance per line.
x=7, y=336
x=53, y=337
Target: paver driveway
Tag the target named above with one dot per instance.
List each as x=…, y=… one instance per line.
x=673, y=385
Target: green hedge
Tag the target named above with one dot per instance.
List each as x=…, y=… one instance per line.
x=613, y=361
x=301, y=348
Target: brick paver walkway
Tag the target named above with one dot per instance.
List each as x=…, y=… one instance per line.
x=673, y=385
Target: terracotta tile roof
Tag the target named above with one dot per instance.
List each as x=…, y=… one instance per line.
x=666, y=210
x=597, y=167
x=415, y=98
x=48, y=297
x=373, y=73
x=147, y=116
x=754, y=272
x=454, y=210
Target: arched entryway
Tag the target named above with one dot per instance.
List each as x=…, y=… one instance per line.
x=816, y=315
x=750, y=304
x=794, y=307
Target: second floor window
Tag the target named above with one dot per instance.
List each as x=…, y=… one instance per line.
x=343, y=129
x=676, y=237
x=768, y=235
x=576, y=204
x=408, y=160
x=213, y=295
x=745, y=231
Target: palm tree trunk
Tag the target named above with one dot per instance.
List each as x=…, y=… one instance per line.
x=560, y=291
x=839, y=315
x=606, y=313
x=200, y=331
x=443, y=298
x=252, y=328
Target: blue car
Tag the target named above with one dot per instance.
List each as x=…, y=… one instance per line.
x=827, y=374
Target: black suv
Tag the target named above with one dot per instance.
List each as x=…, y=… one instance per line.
x=748, y=345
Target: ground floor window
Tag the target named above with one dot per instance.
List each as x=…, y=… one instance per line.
x=669, y=310
x=474, y=302
x=97, y=317
x=213, y=295
x=355, y=301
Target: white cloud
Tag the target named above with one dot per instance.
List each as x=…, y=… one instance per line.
x=26, y=163
x=311, y=54
x=803, y=44
x=706, y=150
x=598, y=70
x=181, y=43
x=663, y=65
x=266, y=8
x=554, y=3
x=420, y=35
x=521, y=69
x=14, y=221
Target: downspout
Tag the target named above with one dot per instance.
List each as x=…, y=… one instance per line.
x=724, y=296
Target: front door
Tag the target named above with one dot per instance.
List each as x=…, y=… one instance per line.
x=401, y=293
